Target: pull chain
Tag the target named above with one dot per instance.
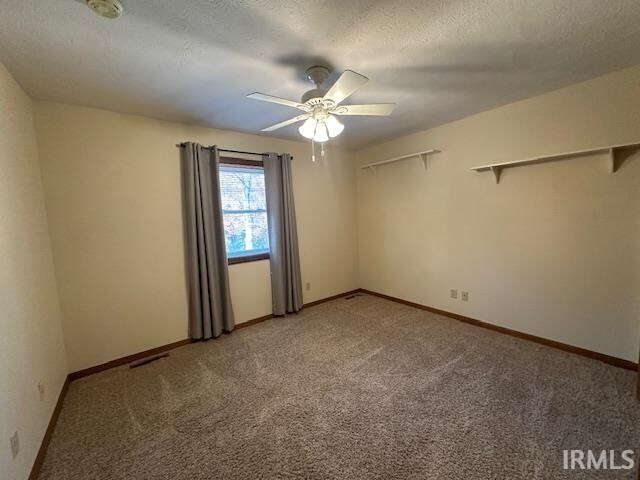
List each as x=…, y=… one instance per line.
x=313, y=151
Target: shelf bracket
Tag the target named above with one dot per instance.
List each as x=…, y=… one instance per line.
x=612, y=161
x=496, y=173
x=424, y=157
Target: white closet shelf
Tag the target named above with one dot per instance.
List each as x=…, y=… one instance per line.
x=615, y=160
x=422, y=155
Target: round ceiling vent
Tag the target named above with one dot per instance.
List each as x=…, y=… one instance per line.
x=106, y=8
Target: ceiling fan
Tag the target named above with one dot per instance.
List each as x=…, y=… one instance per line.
x=321, y=106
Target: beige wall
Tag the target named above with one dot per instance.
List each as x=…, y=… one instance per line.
x=553, y=250
x=31, y=344
x=112, y=184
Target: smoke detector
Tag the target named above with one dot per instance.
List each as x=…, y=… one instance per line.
x=106, y=8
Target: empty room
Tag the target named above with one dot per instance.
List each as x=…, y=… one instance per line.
x=254, y=239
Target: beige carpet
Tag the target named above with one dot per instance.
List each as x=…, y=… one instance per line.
x=352, y=389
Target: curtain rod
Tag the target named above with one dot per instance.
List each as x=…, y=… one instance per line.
x=181, y=145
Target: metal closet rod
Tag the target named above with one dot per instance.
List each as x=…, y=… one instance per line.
x=180, y=145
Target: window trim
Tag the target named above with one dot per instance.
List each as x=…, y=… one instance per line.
x=253, y=257
x=241, y=161
x=248, y=258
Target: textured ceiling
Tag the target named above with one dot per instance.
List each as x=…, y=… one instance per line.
x=195, y=60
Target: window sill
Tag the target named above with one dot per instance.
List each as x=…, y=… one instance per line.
x=247, y=258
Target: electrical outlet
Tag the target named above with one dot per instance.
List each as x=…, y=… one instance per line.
x=15, y=444
x=41, y=391
x=453, y=293
x=465, y=296
x=307, y=286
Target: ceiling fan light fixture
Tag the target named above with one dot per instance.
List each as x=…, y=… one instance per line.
x=320, y=106
x=308, y=128
x=321, y=134
x=334, y=126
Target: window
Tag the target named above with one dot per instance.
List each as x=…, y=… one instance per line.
x=244, y=210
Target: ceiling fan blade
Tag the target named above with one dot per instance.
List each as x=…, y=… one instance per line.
x=348, y=83
x=377, y=109
x=286, y=122
x=270, y=98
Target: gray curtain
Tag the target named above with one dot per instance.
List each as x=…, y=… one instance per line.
x=210, y=311
x=286, y=283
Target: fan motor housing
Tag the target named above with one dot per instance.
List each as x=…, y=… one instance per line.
x=314, y=93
